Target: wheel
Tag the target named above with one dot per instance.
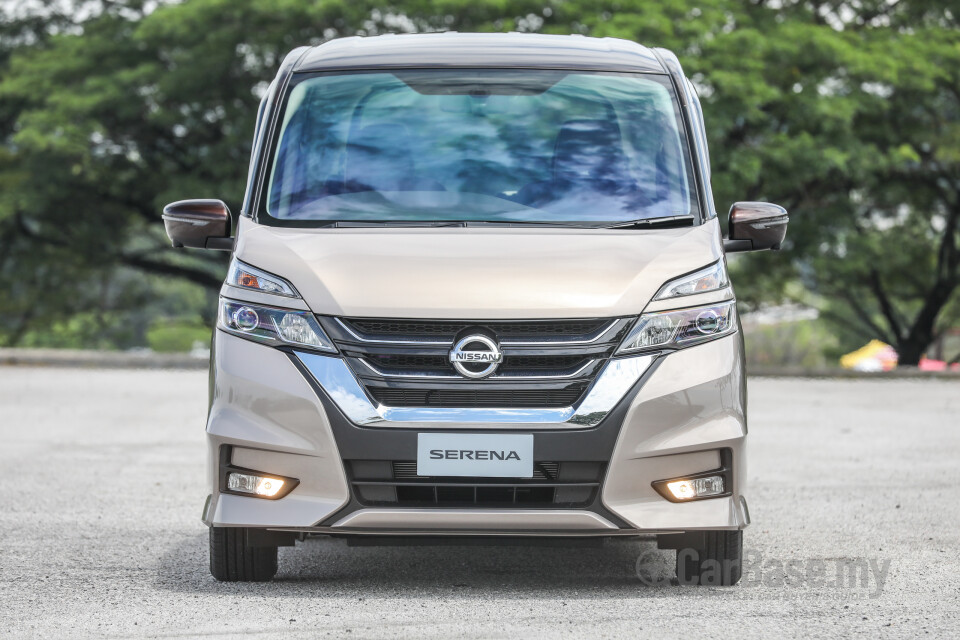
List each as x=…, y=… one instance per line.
x=718, y=564
x=231, y=560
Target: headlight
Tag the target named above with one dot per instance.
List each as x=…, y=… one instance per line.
x=247, y=277
x=681, y=328
x=712, y=278
x=273, y=326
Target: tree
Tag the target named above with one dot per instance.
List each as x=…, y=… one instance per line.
x=849, y=115
x=109, y=117
x=846, y=113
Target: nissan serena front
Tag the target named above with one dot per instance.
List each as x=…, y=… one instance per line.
x=478, y=289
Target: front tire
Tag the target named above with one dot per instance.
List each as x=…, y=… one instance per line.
x=719, y=563
x=231, y=560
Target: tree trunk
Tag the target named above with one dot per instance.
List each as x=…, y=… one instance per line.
x=911, y=347
x=910, y=350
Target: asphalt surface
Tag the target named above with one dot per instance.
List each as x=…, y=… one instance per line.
x=101, y=489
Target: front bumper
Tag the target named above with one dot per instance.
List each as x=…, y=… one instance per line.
x=675, y=418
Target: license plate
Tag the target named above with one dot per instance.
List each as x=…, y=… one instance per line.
x=484, y=455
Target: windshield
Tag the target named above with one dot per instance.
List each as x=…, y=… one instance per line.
x=522, y=146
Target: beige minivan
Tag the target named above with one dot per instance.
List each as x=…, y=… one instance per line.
x=478, y=291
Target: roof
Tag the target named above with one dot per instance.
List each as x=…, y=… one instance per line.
x=480, y=50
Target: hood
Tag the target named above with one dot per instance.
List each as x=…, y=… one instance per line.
x=480, y=274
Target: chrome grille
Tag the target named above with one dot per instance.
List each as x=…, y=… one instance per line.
x=546, y=363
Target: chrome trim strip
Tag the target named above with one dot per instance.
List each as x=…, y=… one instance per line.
x=506, y=343
x=335, y=377
x=574, y=374
x=524, y=343
x=475, y=519
x=361, y=339
x=411, y=375
x=440, y=376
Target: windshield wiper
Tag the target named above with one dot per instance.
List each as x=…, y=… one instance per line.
x=351, y=224
x=346, y=224
x=669, y=221
x=534, y=223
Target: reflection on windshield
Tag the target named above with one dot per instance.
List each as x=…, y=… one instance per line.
x=525, y=146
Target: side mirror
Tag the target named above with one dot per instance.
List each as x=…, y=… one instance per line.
x=755, y=226
x=198, y=224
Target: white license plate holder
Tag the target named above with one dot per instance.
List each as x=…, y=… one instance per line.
x=481, y=455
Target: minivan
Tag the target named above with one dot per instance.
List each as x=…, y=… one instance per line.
x=478, y=293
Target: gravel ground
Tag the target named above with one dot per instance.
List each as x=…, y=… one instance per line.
x=102, y=488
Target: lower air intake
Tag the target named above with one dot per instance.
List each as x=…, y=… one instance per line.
x=396, y=483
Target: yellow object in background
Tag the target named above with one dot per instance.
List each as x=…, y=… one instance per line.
x=873, y=356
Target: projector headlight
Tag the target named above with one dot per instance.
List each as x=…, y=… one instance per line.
x=681, y=328
x=272, y=326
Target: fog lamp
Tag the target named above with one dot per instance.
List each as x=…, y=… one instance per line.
x=265, y=486
x=696, y=487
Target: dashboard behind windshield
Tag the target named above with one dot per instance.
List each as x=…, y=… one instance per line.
x=524, y=146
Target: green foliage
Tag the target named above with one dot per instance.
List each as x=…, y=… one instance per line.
x=846, y=113
x=808, y=344
x=122, y=311
x=854, y=125
x=170, y=335
x=83, y=330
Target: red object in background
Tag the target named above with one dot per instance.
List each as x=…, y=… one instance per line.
x=926, y=364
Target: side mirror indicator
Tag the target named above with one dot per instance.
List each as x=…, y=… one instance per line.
x=198, y=224
x=756, y=226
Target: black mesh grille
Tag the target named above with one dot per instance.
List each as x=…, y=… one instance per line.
x=467, y=398
x=396, y=483
x=541, y=470
x=543, y=362
x=402, y=328
x=411, y=362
